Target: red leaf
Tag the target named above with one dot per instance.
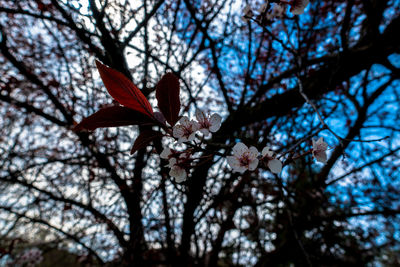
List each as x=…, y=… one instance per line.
x=113, y=117
x=144, y=139
x=167, y=94
x=123, y=90
x=159, y=117
x=41, y=6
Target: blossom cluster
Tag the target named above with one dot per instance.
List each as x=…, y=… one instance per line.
x=185, y=131
x=30, y=257
x=245, y=158
x=178, y=162
x=271, y=10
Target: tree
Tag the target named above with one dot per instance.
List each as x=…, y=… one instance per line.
x=278, y=80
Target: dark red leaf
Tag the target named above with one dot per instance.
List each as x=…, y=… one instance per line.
x=41, y=6
x=123, y=90
x=167, y=94
x=113, y=117
x=144, y=139
x=159, y=117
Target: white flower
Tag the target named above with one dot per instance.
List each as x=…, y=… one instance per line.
x=208, y=124
x=298, y=6
x=243, y=158
x=166, y=153
x=186, y=130
x=178, y=162
x=30, y=257
x=172, y=162
x=248, y=13
x=178, y=173
x=319, y=148
x=275, y=165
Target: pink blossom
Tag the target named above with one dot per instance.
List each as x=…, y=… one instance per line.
x=178, y=162
x=166, y=153
x=186, y=130
x=273, y=164
x=243, y=158
x=319, y=148
x=178, y=173
x=208, y=123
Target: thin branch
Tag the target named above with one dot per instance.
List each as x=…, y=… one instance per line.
x=144, y=22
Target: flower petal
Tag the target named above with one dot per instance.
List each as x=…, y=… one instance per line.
x=184, y=121
x=178, y=173
x=275, y=165
x=241, y=169
x=205, y=131
x=191, y=137
x=267, y=152
x=171, y=162
x=253, y=164
x=181, y=178
x=182, y=139
x=233, y=162
x=194, y=125
x=200, y=116
x=253, y=153
x=239, y=149
x=165, y=153
x=178, y=131
x=215, y=122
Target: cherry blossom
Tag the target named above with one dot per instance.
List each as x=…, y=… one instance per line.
x=298, y=6
x=208, y=123
x=275, y=165
x=243, y=158
x=166, y=153
x=319, y=148
x=178, y=173
x=30, y=257
x=186, y=130
x=178, y=162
